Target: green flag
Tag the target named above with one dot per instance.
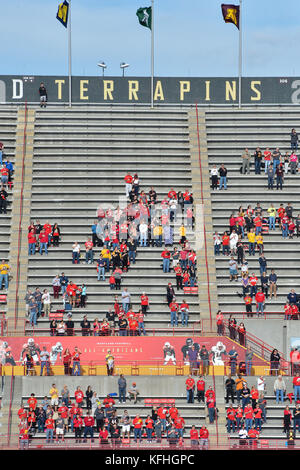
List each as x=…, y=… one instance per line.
x=145, y=16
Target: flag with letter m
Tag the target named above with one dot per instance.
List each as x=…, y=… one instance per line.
x=231, y=14
x=62, y=13
x=145, y=16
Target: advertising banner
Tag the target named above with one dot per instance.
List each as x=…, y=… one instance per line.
x=126, y=350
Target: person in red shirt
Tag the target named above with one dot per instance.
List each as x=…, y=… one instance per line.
x=173, y=412
x=144, y=303
x=257, y=417
x=260, y=302
x=78, y=424
x=128, y=186
x=174, y=307
x=43, y=239
x=149, y=428
x=296, y=384
x=184, y=310
x=287, y=311
x=253, y=434
x=179, y=425
x=89, y=254
x=204, y=435
x=172, y=193
x=162, y=413
x=32, y=402
x=200, y=389
x=49, y=425
x=178, y=272
x=22, y=413
x=103, y=435
x=31, y=242
x=88, y=429
x=166, y=255
x=194, y=436
x=254, y=396
x=239, y=413
x=76, y=360
x=294, y=311
x=133, y=327
x=31, y=418
x=108, y=401
x=225, y=243
x=79, y=395
x=64, y=413
x=190, y=388
x=137, y=425
x=230, y=419
x=24, y=436
x=248, y=410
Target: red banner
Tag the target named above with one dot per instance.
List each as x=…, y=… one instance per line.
x=125, y=349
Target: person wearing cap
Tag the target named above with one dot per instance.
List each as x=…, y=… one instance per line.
x=133, y=392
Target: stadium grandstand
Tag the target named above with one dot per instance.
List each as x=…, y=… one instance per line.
x=149, y=278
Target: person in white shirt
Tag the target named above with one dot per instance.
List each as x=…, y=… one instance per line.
x=46, y=302
x=143, y=234
x=234, y=238
x=217, y=243
x=75, y=253
x=214, y=177
x=261, y=384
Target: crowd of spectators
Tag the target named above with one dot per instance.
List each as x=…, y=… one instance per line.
x=84, y=416
x=118, y=233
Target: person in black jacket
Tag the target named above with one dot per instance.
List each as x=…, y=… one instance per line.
x=85, y=326
x=230, y=387
x=223, y=177
x=123, y=325
x=3, y=200
x=294, y=139
x=170, y=293
x=43, y=96
x=275, y=361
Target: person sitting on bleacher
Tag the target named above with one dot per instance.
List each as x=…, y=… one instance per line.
x=133, y=393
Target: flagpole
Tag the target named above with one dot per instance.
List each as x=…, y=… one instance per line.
x=152, y=51
x=240, y=57
x=70, y=56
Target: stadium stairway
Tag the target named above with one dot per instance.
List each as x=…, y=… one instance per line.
x=229, y=132
x=8, y=133
x=81, y=156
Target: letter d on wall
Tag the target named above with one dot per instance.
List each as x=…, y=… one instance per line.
x=17, y=89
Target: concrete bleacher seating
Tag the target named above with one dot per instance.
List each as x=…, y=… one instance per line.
x=8, y=127
x=228, y=134
x=80, y=160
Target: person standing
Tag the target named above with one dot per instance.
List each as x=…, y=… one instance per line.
x=122, y=384
x=270, y=174
x=214, y=177
x=246, y=158
x=294, y=139
x=233, y=357
x=279, y=176
x=4, y=272
x=248, y=360
x=230, y=387
x=223, y=177
x=43, y=95
x=279, y=389
x=44, y=358
x=190, y=389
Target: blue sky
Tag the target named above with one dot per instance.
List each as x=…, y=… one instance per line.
x=191, y=38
